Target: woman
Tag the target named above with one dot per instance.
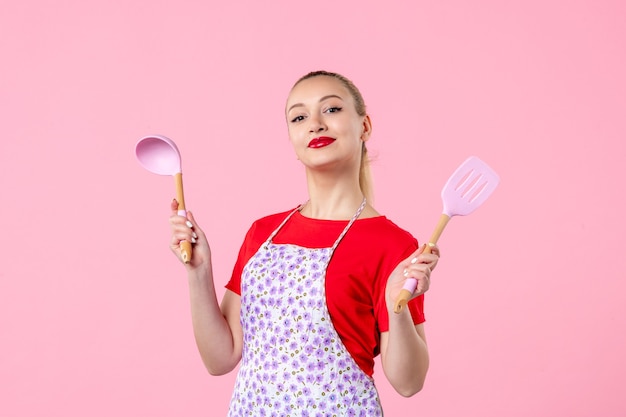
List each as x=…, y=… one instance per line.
x=310, y=302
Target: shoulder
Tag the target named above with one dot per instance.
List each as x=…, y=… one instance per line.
x=274, y=218
x=383, y=230
x=378, y=242
x=267, y=224
x=258, y=232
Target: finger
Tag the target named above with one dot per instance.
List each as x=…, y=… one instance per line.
x=431, y=259
x=414, y=257
x=434, y=249
x=177, y=221
x=190, y=222
x=182, y=229
x=426, y=257
x=422, y=286
x=421, y=274
x=183, y=232
x=191, y=218
x=408, y=266
x=418, y=287
x=415, y=277
x=193, y=225
x=176, y=216
x=417, y=270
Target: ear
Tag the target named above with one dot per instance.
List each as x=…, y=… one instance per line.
x=367, y=128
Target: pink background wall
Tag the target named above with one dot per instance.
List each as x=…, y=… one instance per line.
x=527, y=313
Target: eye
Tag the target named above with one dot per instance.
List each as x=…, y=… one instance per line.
x=334, y=109
x=298, y=118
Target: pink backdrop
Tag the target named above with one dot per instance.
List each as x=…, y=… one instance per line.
x=526, y=316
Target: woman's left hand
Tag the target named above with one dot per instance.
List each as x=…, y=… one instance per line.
x=418, y=266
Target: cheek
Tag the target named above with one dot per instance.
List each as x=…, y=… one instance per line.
x=343, y=125
x=293, y=140
x=296, y=134
x=291, y=136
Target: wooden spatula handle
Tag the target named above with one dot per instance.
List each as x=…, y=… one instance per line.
x=409, y=287
x=185, y=245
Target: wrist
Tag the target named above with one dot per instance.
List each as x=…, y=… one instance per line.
x=403, y=314
x=199, y=274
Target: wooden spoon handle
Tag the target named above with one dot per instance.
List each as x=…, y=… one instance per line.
x=185, y=249
x=185, y=245
x=409, y=287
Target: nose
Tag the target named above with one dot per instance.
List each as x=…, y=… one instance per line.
x=316, y=124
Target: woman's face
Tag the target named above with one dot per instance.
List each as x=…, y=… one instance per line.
x=324, y=127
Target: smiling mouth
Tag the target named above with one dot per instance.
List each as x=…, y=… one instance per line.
x=321, y=142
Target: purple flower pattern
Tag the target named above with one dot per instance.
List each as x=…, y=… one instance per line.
x=293, y=361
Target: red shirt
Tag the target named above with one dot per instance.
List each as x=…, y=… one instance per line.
x=356, y=277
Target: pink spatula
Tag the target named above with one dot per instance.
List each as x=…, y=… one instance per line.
x=468, y=187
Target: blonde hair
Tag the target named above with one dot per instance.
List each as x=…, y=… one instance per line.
x=365, y=175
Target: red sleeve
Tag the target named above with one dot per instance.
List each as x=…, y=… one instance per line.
x=247, y=250
x=255, y=237
x=416, y=306
x=356, y=282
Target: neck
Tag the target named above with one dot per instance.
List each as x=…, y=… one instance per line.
x=332, y=197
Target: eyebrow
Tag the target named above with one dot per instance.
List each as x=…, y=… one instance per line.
x=321, y=99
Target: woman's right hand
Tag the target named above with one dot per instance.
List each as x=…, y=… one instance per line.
x=186, y=228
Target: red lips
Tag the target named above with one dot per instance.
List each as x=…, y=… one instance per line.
x=321, y=142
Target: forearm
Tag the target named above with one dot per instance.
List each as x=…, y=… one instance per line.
x=405, y=360
x=213, y=334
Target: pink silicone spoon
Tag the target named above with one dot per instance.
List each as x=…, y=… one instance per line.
x=160, y=155
x=466, y=189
